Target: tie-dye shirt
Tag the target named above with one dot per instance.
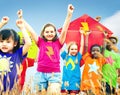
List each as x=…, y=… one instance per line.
x=49, y=56
x=109, y=69
x=91, y=72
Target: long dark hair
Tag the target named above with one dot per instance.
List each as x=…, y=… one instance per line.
x=7, y=33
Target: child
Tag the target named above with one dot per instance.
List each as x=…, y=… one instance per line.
x=91, y=76
x=110, y=70
x=71, y=70
x=31, y=56
x=11, y=55
x=48, y=73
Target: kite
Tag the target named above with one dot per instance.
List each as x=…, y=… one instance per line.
x=88, y=24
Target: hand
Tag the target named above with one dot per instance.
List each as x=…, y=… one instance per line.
x=70, y=8
x=20, y=23
x=5, y=20
x=20, y=13
x=81, y=30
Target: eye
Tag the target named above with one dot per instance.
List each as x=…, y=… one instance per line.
x=51, y=31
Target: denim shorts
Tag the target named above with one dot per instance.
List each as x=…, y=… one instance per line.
x=41, y=80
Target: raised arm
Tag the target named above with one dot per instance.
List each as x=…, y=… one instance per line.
x=82, y=41
x=27, y=39
x=28, y=27
x=4, y=21
x=66, y=24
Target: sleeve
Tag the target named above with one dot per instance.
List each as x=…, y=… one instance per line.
x=20, y=54
x=63, y=55
x=117, y=60
x=85, y=56
x=39, y=41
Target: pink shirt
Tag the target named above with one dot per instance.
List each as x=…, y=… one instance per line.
x=49, y=56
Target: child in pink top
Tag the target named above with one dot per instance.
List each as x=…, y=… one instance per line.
x=48, y=76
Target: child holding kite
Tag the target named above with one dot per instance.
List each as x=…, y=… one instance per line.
x=71, y=70
x=91, y=76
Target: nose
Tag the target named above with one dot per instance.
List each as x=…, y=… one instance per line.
x=4, y=43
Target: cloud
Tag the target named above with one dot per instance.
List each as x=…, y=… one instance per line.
x=113, y=23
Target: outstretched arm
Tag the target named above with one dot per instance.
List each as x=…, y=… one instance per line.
x=4, y=21
x=27, y=39
x=82, y=41
x=66, y=24
x=28, y=27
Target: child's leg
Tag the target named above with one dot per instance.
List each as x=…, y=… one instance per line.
x=54, y=89
x=40, y=84
x=54, y=84
x=64, y=92
x=74, y=92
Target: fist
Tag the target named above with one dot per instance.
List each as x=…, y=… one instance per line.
x=70, y=7
x=20, y=23
x=20, y=13
x=5, y=19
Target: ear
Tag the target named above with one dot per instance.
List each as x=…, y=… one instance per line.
x=15, y=44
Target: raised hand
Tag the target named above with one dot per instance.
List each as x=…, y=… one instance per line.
x=20, y=23
x=20, y=13
x=5, y=20
x=70, y=8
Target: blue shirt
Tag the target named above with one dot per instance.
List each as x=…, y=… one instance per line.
x=71, y=71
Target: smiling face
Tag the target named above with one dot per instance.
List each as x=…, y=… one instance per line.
x=49, y=33
x=114, y=42
x=73, y=49
x=94, y=51
x=7, y=45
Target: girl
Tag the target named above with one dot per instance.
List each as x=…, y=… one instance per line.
x=71, y=70
x=48, y=73
x=11, y=55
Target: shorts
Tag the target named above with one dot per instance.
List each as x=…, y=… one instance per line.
x=42, y=80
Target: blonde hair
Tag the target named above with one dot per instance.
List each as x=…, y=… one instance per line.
x=70, y=44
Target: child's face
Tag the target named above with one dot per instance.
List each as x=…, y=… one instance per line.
x=7, y=45
x=95, y=50
x=109, y=46
x=73, y=50
x=49, y=33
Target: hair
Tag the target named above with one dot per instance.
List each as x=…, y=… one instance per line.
x=113, y=37
x=44, y=27
x=95, y=45
x=7, y=33
x=70, y=44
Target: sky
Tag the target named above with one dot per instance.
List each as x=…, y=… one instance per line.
x=39, y=12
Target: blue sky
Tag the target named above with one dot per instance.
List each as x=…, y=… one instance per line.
x=39, y=12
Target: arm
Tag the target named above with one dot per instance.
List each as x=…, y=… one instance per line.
x=27, y=39
x=81, y=42
x=4, y=21
x=66, y=24
x=28, y=27
x=86, y=41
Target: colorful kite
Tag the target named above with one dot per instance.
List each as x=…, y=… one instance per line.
x=87, y=23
